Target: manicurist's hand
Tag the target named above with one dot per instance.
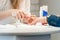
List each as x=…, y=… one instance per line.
x=10, y=12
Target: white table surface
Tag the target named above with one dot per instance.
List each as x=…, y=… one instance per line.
x=23, y=29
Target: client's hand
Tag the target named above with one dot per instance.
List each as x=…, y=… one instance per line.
x=29, y=18
x=42, y=20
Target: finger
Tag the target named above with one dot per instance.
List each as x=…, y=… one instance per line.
x=22, y=14
x=44, y=24
x=34, y=22
x=25, y=21
x=18, y=16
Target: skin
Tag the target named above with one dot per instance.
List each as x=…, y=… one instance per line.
x=32, y=19
x=42, y=20
x=7, y=13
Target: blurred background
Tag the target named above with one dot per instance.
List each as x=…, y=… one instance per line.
x=34, y=5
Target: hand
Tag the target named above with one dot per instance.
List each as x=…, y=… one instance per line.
x=24, y=17
x=20, y=15
x=29, y=18
x=42, y=20
x=16, y=13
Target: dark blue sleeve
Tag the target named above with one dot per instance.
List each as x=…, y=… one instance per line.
x=53, y=20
